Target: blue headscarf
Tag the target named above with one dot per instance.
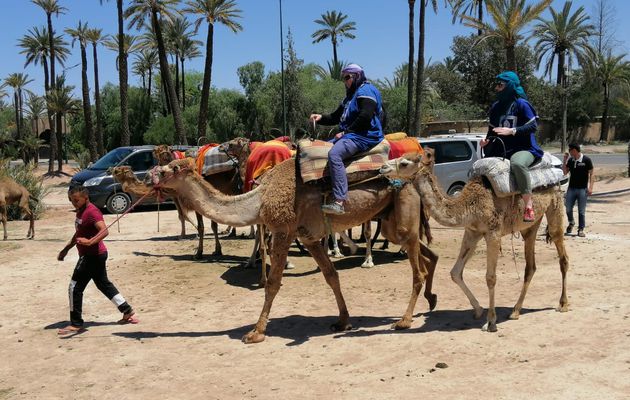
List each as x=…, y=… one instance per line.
x=513, y=88
x=358, y=78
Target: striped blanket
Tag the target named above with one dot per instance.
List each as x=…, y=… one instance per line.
x=313, y=159
x=210, y=160
x=497, y=170
x=263, y=157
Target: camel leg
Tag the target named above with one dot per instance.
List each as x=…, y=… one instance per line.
x=348, y=242
x=3, y=211
x=263, y=255
x=200, y=233
x=430, y=259
x=318, y=252
x=31, y=225
x=251, y=263
x=181, y=216
x=367, y=234
x=529, y=236
x=335, y=252
x=280, y=243
x=378, y=232
x=493, y=247
x=252, y=232
x=217, y=244
x=469, y=242
x=555, y=226
x=419, y=274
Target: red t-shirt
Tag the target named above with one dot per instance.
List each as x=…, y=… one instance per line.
x=85, y=224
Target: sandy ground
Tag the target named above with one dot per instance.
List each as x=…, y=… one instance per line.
x=193, y=314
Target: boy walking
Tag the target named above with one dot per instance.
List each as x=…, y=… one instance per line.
x=88, y=237
x=580, y=185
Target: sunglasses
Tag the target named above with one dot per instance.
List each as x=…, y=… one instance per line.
x=499, y=83
x=347, y=77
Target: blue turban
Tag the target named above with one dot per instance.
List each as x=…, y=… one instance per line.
x=513, y=88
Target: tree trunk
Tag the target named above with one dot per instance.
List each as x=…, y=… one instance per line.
x=480, y=16
x=561, y=62
x=166, y=76
x=604, y=133
x=334, y=44
x=97, y=100
x=177, y=79
x=150, y=78
x=87, y=108
x=16, y=106
x=183, y=86
x=410, y=70
x=59, y=134
x=420, y=74
x=53, y=136
x=510, y=58
x=125, y=135
x=205, y=88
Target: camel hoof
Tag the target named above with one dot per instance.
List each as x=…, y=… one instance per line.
x=432, y=299
x=515, y=315
x=402, y=324
x=564, y=308
x=198, y=256
x=340, y=327
x=489, y=327
x=253, y=337
x=367, y=264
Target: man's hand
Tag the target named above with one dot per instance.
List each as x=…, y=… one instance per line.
x=62, y=254
x=504, y=131
x=483, y=142
x=83, y=241
x=315, y=117
x=589, y=191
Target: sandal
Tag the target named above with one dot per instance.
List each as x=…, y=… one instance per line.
x=129, y=319
x=70, y=330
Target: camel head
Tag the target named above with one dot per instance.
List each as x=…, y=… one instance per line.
x=407, y=166
x=123, y=174
x=173, y=171
x=163, y=154
x=235, y=146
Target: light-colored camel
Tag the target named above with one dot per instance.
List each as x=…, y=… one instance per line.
x=12, y=192
x=484, y=215
x=289, y=208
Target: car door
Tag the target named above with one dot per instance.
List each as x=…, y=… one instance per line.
x=453, y=160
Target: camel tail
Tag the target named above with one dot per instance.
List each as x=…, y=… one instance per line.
x=424, y=221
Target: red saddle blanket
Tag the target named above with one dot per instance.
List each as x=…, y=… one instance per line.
x=263, y=157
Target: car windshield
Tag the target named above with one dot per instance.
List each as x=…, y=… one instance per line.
x=111, y=159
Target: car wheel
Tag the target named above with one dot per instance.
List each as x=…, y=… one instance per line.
x=455, y=190
x=118, y=203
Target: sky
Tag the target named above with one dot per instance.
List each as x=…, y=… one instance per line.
x=380, y=45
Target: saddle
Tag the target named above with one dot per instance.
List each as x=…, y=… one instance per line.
x=497, y=170
x=313, y=161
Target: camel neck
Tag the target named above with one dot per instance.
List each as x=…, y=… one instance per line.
x=441, y=206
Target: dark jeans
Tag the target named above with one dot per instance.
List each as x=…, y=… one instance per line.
x=92, y=267
x=571, y=197
x=343, y=149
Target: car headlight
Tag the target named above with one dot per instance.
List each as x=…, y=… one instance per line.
x=93, y=181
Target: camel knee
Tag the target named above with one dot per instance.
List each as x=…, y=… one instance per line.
x=491, y=280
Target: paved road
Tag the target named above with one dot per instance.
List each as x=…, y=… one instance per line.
x=609, y=160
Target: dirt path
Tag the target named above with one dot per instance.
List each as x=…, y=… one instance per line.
x=187, y=345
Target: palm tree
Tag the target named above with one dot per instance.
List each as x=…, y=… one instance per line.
x=467, y=7
x=189, y=49
x=211, y=11
x=176, y=33
x=335, y=28
x=333, y=71
x=146, y=61
x=563, y=35
x=125, y=135
x=35, y=108
x=30, y=146
x=610, y=71
x=509, y=17
x=61, y=102
x=95, y=36
x=17, y=81
x=410, y=64
x=51, y=7
x=80, y=34
x=155, y=10
x=417, y=121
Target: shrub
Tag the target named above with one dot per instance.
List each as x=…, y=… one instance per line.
x=25, y=176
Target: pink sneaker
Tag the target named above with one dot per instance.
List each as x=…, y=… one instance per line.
x=528, y=215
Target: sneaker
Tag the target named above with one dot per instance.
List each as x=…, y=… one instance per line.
x=528, y=215
x=333, y=208
x=569, y=229
x=581, y=233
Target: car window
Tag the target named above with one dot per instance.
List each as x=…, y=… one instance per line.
x=111, y=159
x=141, y=161
x=450, y=151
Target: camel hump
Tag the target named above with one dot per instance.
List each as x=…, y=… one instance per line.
x=313, y=160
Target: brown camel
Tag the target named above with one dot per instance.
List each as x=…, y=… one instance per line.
x=483, y=214
x=289, y=208
x=12, y=192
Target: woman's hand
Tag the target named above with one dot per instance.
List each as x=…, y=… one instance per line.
x=339, y=135
x=483, y=142
x=504, y=131
x=315, y=117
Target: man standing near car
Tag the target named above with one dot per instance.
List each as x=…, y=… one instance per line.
x=580, y=185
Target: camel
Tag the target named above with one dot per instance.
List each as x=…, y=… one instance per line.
x=483, y=214
x=289, y=208
x=12, y=192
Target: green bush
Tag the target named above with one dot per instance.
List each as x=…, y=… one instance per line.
x=25, y=176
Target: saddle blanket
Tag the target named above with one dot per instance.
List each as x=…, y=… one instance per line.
x=401, y=144
x=263, y=157
x=210, y=160
x=313, y=159
x=542, y=174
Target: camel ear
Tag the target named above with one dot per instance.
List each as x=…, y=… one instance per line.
x=428, y=156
